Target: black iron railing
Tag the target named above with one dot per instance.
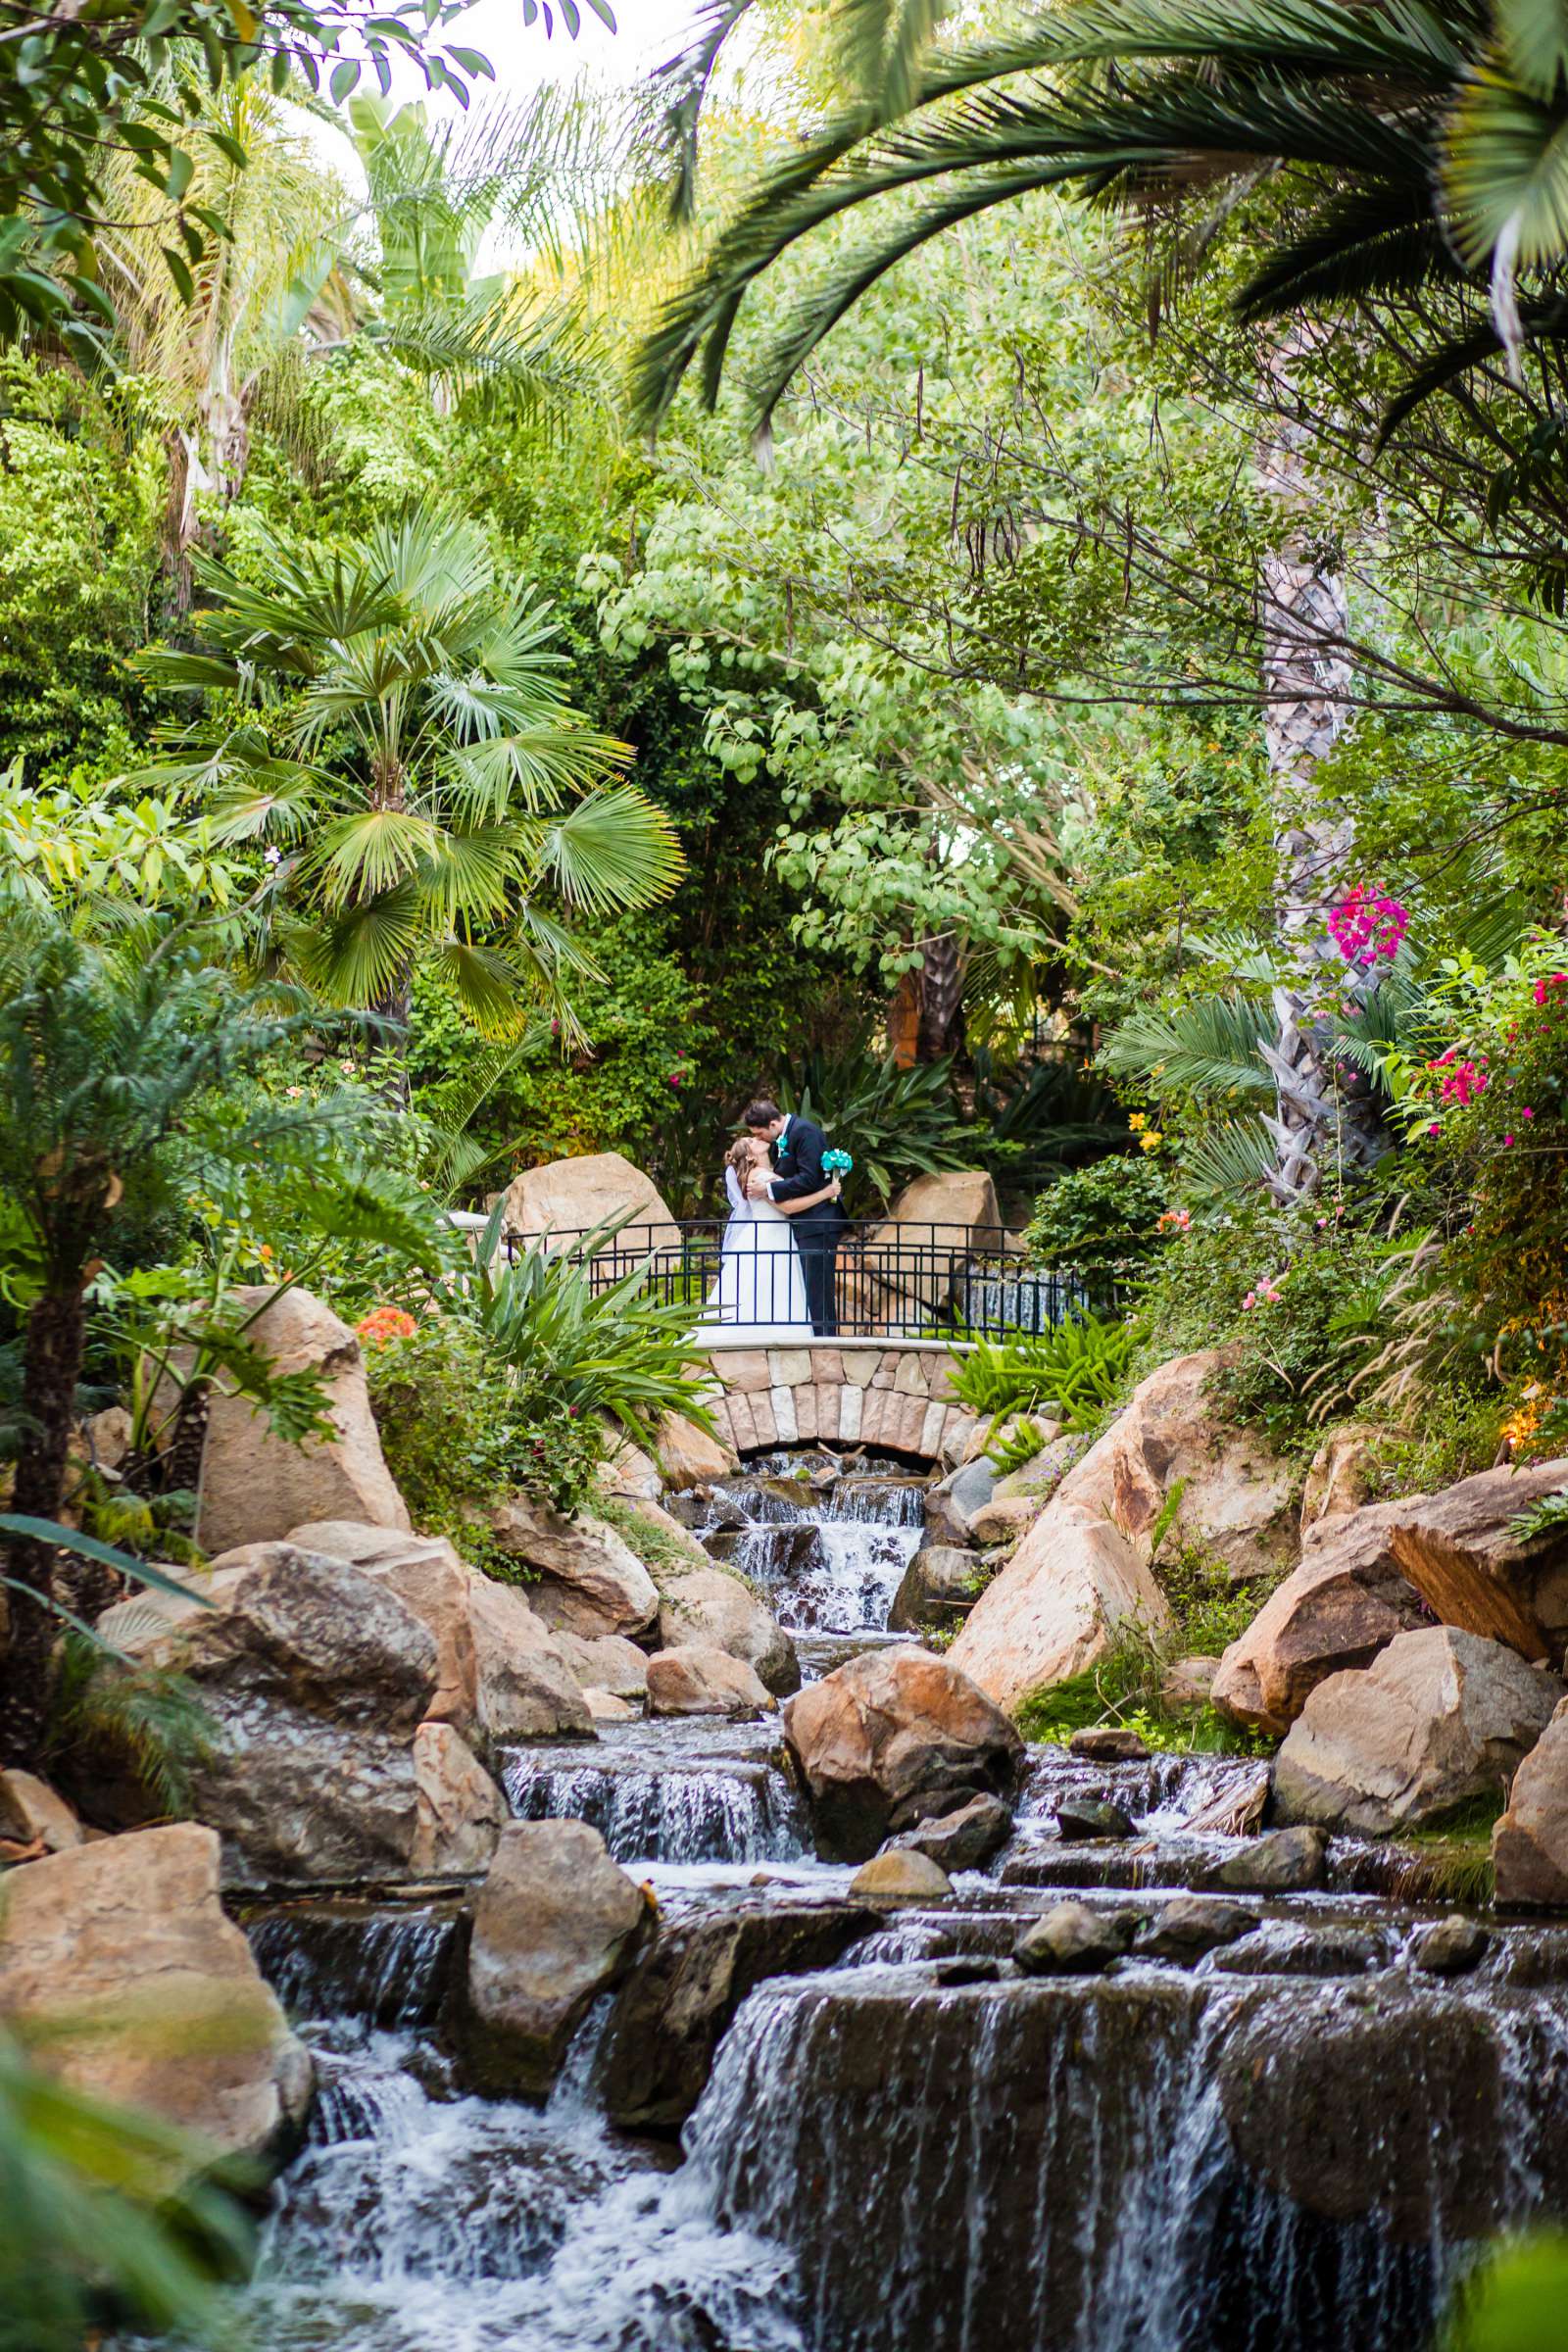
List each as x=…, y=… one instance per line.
x=871, y=1279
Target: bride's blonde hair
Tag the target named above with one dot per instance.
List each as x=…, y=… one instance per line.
x=740, y=1154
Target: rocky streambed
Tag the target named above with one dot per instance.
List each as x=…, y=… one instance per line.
x=1182, y=2089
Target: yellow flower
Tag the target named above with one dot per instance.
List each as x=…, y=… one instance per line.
x=1136, y=1122
x=1152, y=1141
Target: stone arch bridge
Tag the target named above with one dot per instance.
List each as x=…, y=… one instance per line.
x=895, y=1396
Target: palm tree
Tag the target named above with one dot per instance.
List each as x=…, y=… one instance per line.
x=435, y=797
x=1417, y=147
x=258, y=297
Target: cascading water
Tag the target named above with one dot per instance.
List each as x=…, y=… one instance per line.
x=421, y=2219
x=1289, y=2148
x=679, y=1792
x=828, y=1552
x=1089, y=2165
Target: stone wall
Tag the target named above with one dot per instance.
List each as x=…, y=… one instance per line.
x=897, y=1399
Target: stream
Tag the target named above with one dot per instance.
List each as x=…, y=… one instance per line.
x=1292, y=2145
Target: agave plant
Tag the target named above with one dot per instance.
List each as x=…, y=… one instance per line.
x=436, y=798
x=572, y=1337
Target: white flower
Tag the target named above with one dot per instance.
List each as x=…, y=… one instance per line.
x=272, y=854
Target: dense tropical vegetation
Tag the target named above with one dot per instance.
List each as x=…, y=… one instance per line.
x=1012, y=593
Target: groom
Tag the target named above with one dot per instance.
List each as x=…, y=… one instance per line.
x=795, y=1148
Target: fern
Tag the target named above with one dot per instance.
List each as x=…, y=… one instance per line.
x=144, y=1720
x=1544, y=1518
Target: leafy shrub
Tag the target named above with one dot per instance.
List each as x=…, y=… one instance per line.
x=1106, y=1211
x=1080, y=1367
x=618, y=1350
x=459, y=1436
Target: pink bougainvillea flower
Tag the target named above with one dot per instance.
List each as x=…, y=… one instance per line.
x=1526, y=1112
x=1249, y=1301
x=1507, y=1141
x=1436, y=1128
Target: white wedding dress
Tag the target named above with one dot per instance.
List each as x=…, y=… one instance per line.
x=761, y=1292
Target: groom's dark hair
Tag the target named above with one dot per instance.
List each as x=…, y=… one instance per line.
x=762, y=1112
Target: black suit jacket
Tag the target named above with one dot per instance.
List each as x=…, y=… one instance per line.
x=798, y=1171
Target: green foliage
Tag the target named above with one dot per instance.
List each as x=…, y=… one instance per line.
x=145, y=1723
x=1543, y=1518
x=1514, y=2301
x=1106, y=1211
x=459, y=1436
x=592, y=1347
x=93, y=2220
x=896, y=1123
x=1014, y=1442
x=391, y=716
x=1080, y=1368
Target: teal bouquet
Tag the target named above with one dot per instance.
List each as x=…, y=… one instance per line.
x=836, y=1163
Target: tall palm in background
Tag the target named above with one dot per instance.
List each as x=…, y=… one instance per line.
x=259, y=298
x=1397, y=152
x=405, y=750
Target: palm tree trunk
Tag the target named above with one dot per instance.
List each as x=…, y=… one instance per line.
x=1318, y=1120
x=51, y=1366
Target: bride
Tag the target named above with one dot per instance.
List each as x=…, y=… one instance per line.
x=761, y=1290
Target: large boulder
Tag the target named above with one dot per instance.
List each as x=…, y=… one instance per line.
x=1084, y=1564
x=255, y=1486
x=611, y=1664
x=524, y=1687
x=428, y=1578
x=556, y=1923
x=461, y=1809
x=572, y=1197
x=892, y=1738
x=701, y=1680
x=689, y=1457
x=674, y=2008
x=1344, y=1604
x=960, y=1202
x=131, y=1983
x=1459, y=1551
x=1530, y=1842
x=314, y=1679
x=1440, y=1719
x=938, y=1582
x=590, y=1580
x=710, y=1606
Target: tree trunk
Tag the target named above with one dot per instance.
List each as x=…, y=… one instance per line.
x=1319, y=1118
x=941, y=1030
x=51, y=1367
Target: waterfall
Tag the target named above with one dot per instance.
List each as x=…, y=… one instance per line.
x=662, y=1809
x=828, y=1561
x=1146, y=2163
x=387, y=1967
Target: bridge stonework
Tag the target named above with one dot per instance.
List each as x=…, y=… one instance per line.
x=896, y=1398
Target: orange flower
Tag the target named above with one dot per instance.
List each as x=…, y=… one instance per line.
x=385, y=1323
